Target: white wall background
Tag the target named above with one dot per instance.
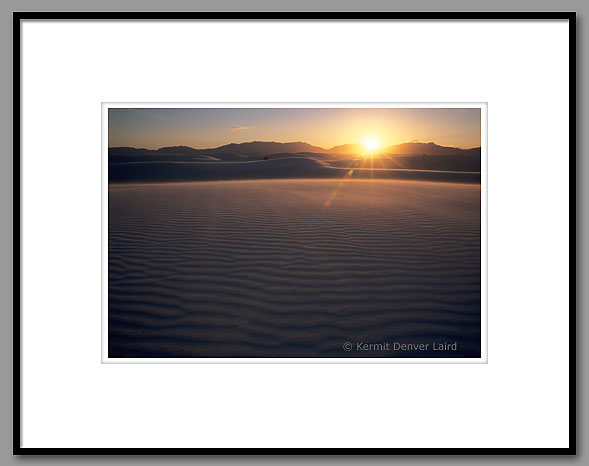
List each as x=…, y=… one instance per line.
x=519, y=399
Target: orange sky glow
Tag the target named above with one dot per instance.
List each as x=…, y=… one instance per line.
x=153, y=128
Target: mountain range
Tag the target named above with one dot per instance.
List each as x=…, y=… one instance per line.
x=263, y=148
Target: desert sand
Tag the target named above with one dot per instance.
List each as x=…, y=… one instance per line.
x=294, y=268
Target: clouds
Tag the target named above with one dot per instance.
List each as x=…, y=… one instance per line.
x=238, y=128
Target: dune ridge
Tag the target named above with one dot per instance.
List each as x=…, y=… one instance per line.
x=292, y=167
x=294, y=160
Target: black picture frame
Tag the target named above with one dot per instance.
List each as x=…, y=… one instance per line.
x=18, y=17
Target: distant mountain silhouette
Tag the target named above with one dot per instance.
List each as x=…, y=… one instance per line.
x=262, y=148
x=177, y=150
x=227, y=152
x=345, y=149
x=129, y=151
x=406, y=148
x=422, y=148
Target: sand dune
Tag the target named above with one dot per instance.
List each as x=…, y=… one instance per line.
x=293, y=268
x=286, y=166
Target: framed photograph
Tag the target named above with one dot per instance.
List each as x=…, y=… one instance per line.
x=222, y=245
x=247, y=233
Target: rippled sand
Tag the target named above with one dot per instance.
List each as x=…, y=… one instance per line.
x=293, y=268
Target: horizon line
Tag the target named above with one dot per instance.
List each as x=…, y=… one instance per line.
x=293, y=142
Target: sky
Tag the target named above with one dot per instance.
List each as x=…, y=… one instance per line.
x=204, y=128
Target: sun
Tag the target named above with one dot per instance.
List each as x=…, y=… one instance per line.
x=371, y=144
